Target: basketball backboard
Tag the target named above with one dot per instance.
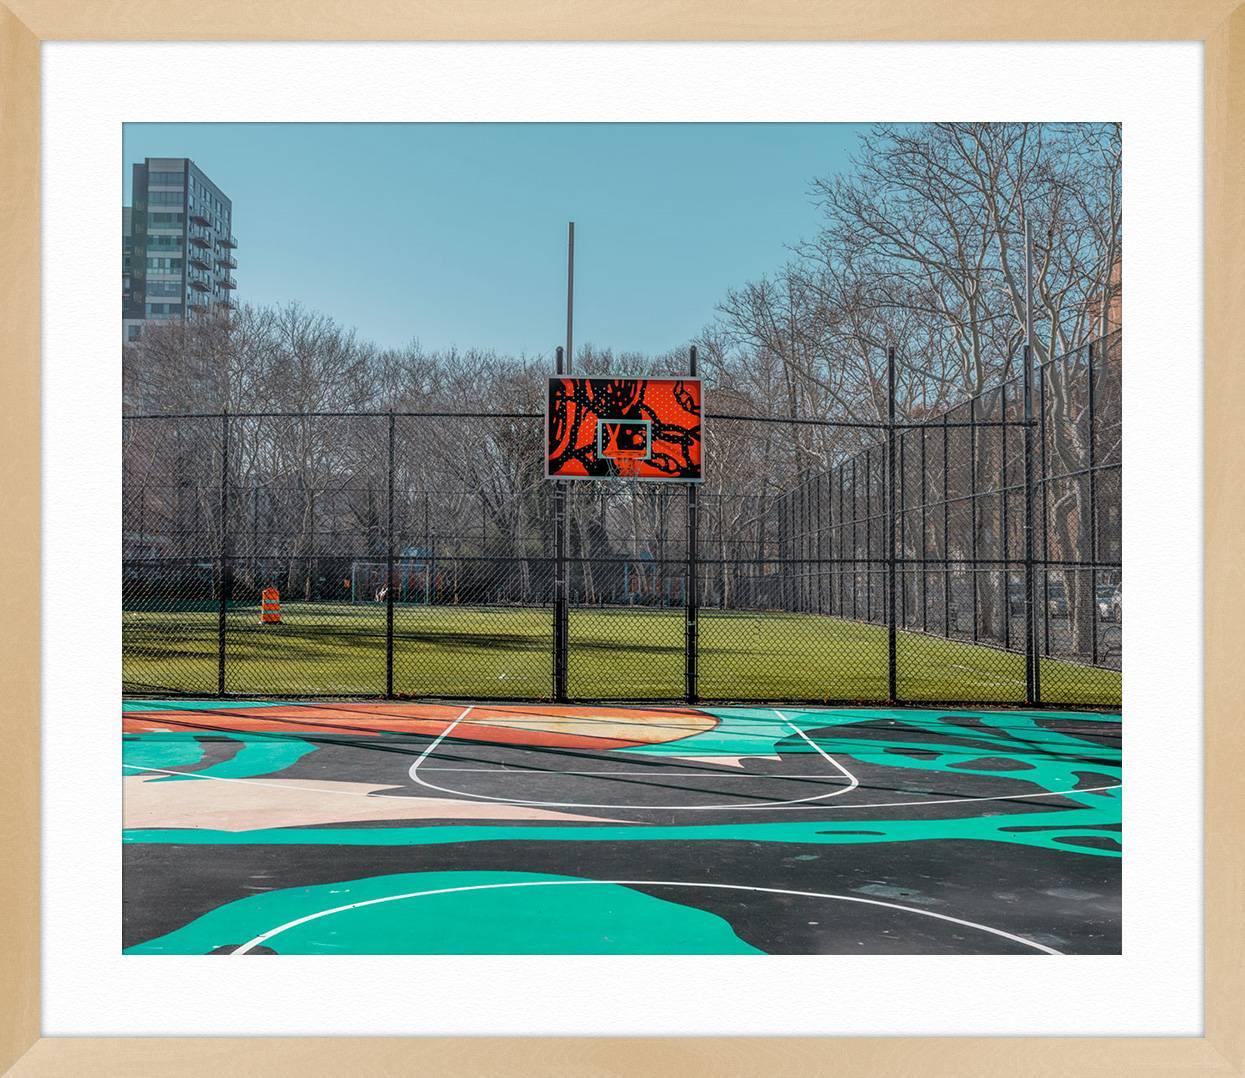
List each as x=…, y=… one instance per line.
x=634, y=428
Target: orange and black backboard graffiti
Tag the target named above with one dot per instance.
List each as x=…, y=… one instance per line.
x=635, y=428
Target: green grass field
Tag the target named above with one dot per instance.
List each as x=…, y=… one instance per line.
x=464, y=652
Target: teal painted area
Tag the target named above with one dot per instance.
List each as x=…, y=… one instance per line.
x=265, y=756
x=163, y=753
x=758, y=731
x=197, y=705
x=596, y=919
x=1006, y=744
x=744, y=732
x=256, y=755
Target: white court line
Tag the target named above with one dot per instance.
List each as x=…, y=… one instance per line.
x=263, y=937
x=853, y=782
x=820, y=751
x=442, y=735
x=654, y=773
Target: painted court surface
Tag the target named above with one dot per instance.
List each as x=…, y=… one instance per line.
x=402, y=828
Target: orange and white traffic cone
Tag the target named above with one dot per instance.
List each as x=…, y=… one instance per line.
x=270, y=607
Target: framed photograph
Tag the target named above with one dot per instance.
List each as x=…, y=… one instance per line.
x=349, y=733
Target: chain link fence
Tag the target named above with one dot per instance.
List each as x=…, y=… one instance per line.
x=961, y=576
x=965, y=556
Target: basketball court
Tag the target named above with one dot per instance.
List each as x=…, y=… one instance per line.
x=284, y=827
x=409, y=823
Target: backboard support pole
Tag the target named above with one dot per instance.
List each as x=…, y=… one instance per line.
x=561, y=597
x=692, y=585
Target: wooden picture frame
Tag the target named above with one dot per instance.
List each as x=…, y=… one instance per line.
x=1218, y=24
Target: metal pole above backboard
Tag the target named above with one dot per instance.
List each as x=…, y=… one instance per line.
x=570, y=296
x=1028, y=283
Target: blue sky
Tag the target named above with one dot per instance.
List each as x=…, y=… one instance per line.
x=455, y=234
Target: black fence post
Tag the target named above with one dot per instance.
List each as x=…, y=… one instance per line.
x=855, y=545
x=817, y=549
x=799, y=532
x=1031, y=663
x=1093, y=514
x=924, y=532
x=225, y=573
x=692, y=616
x=792, y=582
x=1005, y=548
x=891, y=656
x=831, y=564
x=560, y=590
x=661, y=548
x=972, y=507
x=902, y=525
x=430, y=561
x=842, y=470
x=1040, y=487
x=255, y=537
x=870, y=555
x=946, y=531
x=389, y=573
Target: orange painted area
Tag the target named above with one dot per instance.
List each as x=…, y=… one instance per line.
x=631, y=726
x=551, y=726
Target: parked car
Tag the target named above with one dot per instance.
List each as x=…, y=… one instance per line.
x=1109, y=602
x=1056, y=598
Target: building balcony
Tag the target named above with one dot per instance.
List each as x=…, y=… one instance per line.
x=229, y=304
x=200, y=218
x=229, y=241
x=199, y=285
x=227, y=261
x=199, y=308
x=200, y=240
x=228, y=282
x=200, y=260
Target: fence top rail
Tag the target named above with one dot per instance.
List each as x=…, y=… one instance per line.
x=783, y=420
x=336, y=415
x=461, y=414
